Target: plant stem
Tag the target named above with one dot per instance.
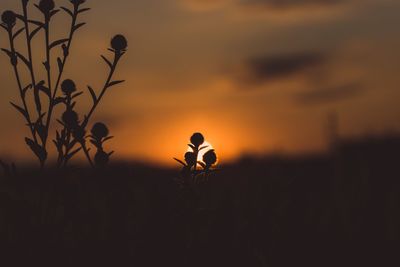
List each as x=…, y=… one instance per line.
x=117, y=57
x=64, y=60
x=48, y=56
x=28, y=119
x=29, y=45
x=86, y=151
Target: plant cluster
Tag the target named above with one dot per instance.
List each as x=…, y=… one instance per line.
x=44, y=95
x=190, y=173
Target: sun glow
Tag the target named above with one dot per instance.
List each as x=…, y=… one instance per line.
x=207, y=146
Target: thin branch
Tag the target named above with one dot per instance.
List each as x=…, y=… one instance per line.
x=21, y=89
x=29, y=45
x=62, y=65
x=117, y=57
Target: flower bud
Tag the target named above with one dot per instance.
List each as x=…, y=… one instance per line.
x=46, y=6
x=9, y=18
x=99, y=131
x=70, y=119
x=79, y=133
x=68, y=87
x=190, y=158
x=77, y=2
x=210, y=158
x=119, y=43
x=197, y=139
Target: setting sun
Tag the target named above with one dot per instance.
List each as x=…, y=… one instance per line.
x=207, y=146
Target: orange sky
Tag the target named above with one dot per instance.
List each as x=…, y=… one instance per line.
x=255, y=76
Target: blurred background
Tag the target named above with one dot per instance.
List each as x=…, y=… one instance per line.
x=254, y=76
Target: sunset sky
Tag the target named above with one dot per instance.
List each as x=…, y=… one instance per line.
x=254, y=76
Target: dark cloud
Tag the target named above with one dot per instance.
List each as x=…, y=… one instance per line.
x=330, y=94
x=263, y=69
x=285, y=4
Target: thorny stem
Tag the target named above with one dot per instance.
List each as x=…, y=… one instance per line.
x=27, y=117
x=64, y=60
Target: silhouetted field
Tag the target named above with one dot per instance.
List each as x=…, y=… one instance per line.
x=337, y=209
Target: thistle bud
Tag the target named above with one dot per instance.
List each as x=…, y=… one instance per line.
x=99, y=131
x=9, y=18
x=46, y=6
x=119, y=43
x=210, y=158
x=190, y=158
x=197, y=139
x=68, y=87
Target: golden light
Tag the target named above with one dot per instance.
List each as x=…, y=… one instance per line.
x=207, y=146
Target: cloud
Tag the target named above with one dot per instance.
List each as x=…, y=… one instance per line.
x=329, y=94
x=289, y=4
x=205, y=5
x=259, y=70
x=276, y=5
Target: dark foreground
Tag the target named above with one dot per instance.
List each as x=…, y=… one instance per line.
x=341, y=209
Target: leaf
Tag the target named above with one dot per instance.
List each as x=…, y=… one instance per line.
x=53, y=12
x=180, y=161
x=76, y=27
x=115, y=83
x=67, y=11
x=8, y=52
x=44, y=89
x=20, y=17
x=24, y=59
x=26, y=89
x=192, y=147
x=34, y=32
x=38, y=23
x=60, y=122
x=60, y=64
x=29, y=142
x=72, y=144
x=203, y=147
x=39, y=151
x=83, y=10
x=202, y=164
x=93, y=94
x=18, y=32
x=70, y=155
x=58, y=42
x=94, y=142
x=46, y=65
x=41, y=130
x=108, y=138
x=3, y=26
x=58, y=100
x=76, y=95
x=57, y=145
x=107, y=61
x=65, y=50
x=40, y=117
x=21, y=110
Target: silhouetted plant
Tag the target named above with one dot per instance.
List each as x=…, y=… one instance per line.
x=190, y=174
x=73, y=131
x=98, y=138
